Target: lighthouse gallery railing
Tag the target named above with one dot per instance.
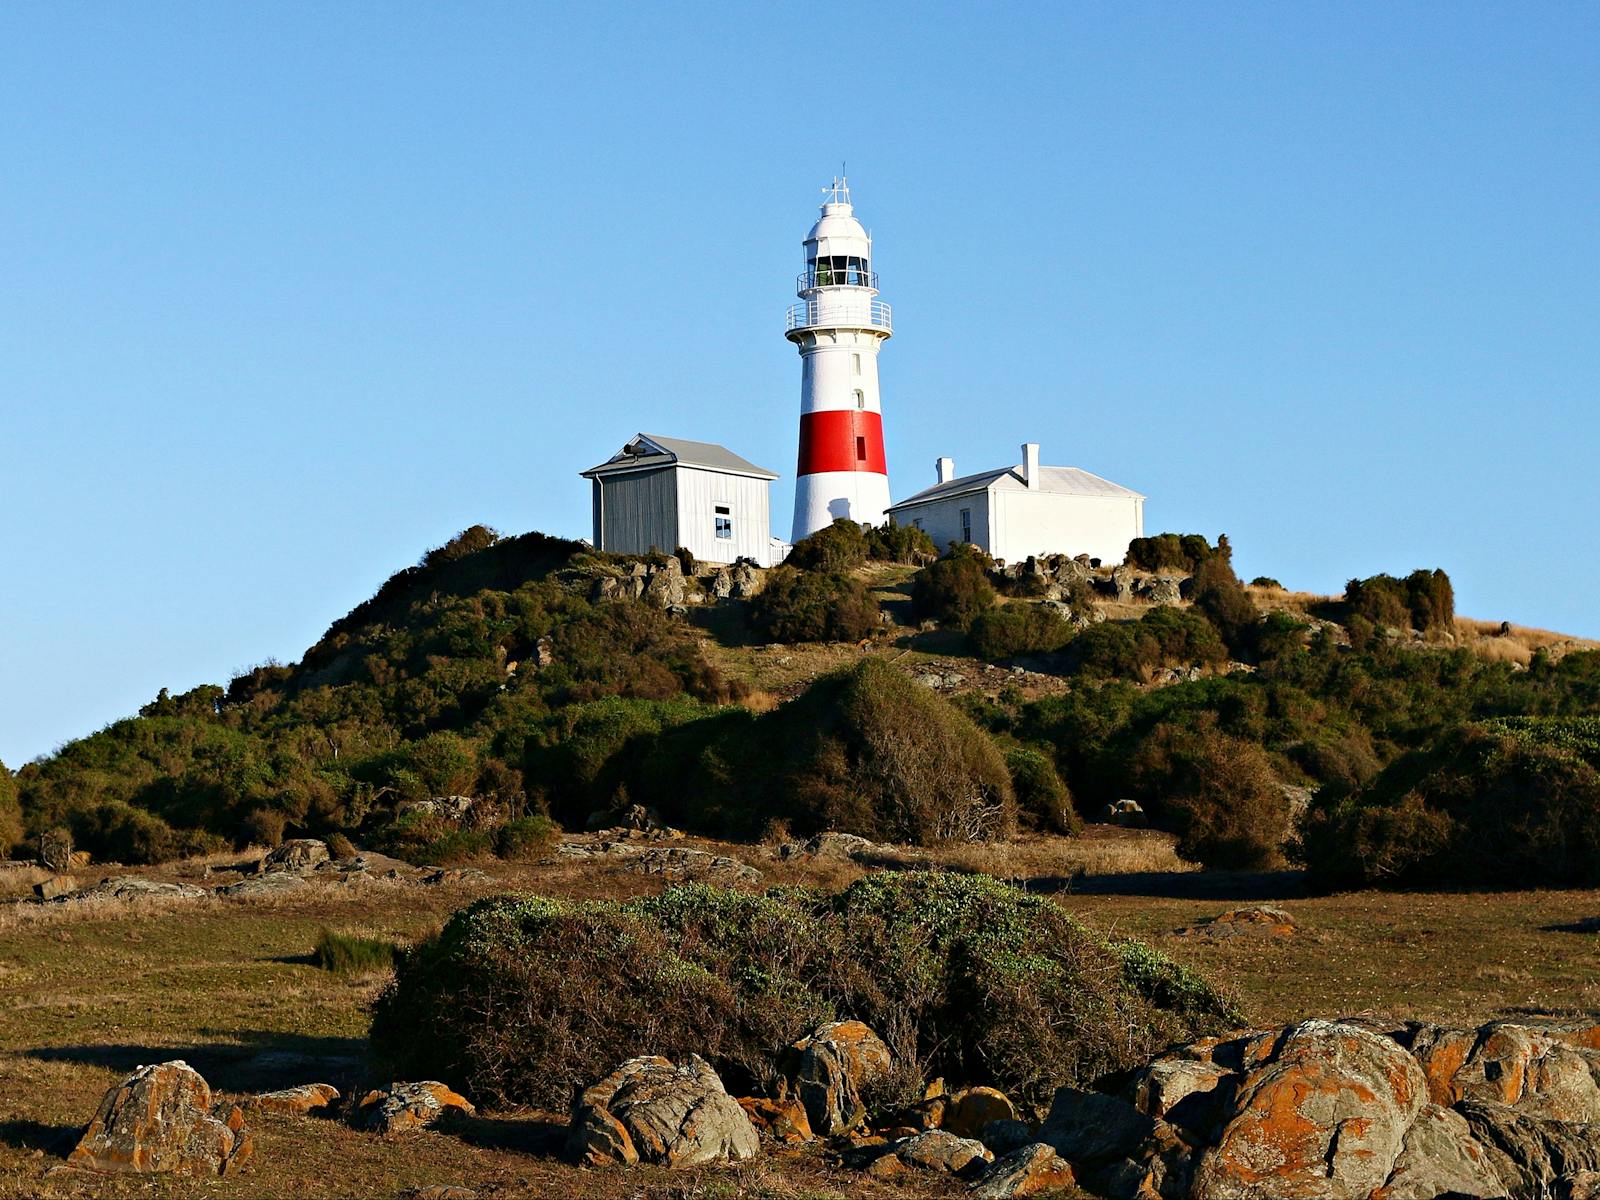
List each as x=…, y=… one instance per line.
x=872, y=315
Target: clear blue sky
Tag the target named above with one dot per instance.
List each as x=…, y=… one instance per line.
x=291, y=292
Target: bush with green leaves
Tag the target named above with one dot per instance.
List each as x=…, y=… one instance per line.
x=1220, y=597
x=1423, y=600
x=1171, y=552
x=1018, y=628
x=1485, y=806
x=813, y=606
x=1165, y=636
x=834, y=548
x=964, y=976
x=868, y=751
x=1043, y=802
x=904, y=544
x=955, y=589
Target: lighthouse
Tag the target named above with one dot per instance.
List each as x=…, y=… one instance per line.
x=838, y=326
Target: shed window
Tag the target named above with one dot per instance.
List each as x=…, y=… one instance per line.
x=966, y=525
x=724, y=522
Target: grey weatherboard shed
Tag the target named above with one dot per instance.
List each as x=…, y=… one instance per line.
x=661, y=493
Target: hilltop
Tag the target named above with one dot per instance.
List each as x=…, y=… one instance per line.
x=868, y=686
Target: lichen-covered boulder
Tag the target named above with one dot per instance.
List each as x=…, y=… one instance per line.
x=407, y=1107
x=655, y=1111
x=296, y=1101
x=1027, y=1171
x=1187, y=1091
x=1531, y=1154
x=932, y=1150
x=1503, y=1063
x=783, y=1121
x=297, y=854
x=163, y=1118
x=969, y=1111
x=1321, y=1113
x=827, y=1071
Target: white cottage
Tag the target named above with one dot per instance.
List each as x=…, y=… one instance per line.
x=661, y=493
x=1027, y=509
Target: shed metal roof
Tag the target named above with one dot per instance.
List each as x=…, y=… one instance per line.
x=1059, y=481
x=651, y=450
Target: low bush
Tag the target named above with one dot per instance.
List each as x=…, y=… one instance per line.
x=1220, y=597
x=1009, y=630
x=964, y=976
x=1164, y=637
x=1170, y=552
x=350, y=954
x=813, y=606
x=834, y=548
x=1043, y=802
x=1266, y=581
x=1423, y=600
x=527, y=839
x=905, y=544
x=339, y=846
x=1217, y=793
x=955, y=589
x=1485, y=806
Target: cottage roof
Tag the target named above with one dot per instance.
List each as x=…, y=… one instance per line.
x=647, y=450
x=1060, y=481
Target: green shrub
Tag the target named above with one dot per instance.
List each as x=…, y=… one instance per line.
x=350, y=954
x=1009, y=630
x=118, y=832
x=905, y=544
x=1424, y=601
x=964, y=976
x=868, y=751
x=1221, y=598
x=813, y=606
x=1218, y=793
x=1484, y=807
x=1170, y=552
x=1164, y=637
x=527, y=839
x=1266, y=581
x=1043, y=801
x=955, y=589
x=834, y=548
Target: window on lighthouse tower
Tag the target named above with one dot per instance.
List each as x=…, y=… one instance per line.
x=861, y=398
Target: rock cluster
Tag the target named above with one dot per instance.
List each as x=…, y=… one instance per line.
x=656, y=1111
x=664, y=584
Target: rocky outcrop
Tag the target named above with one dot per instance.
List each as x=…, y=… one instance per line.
x=1514, y=1065
x=274, y=883
x=1256, y=920
x=130, y=887
x=827, y=1071
x=679, y=864
x=1441, y=1157
x=299, y=1101
x=1531, y=1154
x=407, y=1107
x=163, y=1118
x=654, y=1111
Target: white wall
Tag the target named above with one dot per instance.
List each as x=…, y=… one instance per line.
x=1039, y=522
x=941, y=519
x=748, y=502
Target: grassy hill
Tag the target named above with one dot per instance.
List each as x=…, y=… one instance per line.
x=537, y=678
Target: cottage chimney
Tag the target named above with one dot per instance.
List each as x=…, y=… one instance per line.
x=946, y=468
x=1030, y=465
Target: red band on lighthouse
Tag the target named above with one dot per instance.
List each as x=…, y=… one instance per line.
x=841, y=440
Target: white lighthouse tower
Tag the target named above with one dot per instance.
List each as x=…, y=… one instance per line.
x=838, y=327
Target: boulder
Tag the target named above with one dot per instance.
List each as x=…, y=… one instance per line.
x=161, y=1118
x=1503, y=1063
x=1321, y=1112
x=1164, y=589
x=407, y=1107
x=1184, y=1091
x=829, y=844
x=297, y=854
x=941, y=1150
x=1002, y=1137
x=1529, y=1153
x=1441, y=1157
x=782, y=1121
x=296, y=1101
x=654, y=1111
x=1089, y=1127
x=1580, y=1185
x=55, y=887
x=666, y=588
x=130, y=887
x=828, y=1070
x=455, y=877
x=1126, y=813
x=274, y=883
x=968, y=1111
x=1026, y=1171
x=747, y=580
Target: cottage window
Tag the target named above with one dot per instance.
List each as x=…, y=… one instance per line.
x=724, y=522
x=966, y=525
